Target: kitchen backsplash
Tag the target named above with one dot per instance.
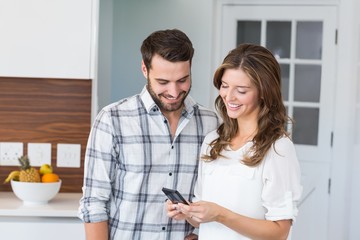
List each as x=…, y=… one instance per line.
x=55, y=111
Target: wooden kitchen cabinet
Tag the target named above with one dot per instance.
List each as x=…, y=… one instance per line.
x=48, y=39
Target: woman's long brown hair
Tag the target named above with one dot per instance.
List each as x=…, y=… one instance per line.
x=264, y=71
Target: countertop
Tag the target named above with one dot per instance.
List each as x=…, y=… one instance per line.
x=63, y=205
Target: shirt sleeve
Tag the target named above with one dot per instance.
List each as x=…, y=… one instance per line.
x=97, y=171
x=281, y=177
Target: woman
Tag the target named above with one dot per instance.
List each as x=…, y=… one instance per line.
x=249, y=177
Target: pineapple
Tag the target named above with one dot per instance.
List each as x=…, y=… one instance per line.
x=28, y=173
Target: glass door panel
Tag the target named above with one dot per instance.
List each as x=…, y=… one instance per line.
x=304, y=85
x=307, y=83
x=285, y=76
x=248, y=32
x=306, y=127
x=309, y=40
x=278, y=38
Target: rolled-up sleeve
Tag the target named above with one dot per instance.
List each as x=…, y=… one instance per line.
x=97, y=171
x=281, y=178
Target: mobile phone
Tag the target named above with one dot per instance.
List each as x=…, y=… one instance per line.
x=174, y=196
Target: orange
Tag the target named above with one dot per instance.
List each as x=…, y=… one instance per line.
x=50, y=177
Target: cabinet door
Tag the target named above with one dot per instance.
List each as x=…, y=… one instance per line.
x=41, y=38
x=303, y=40
x=41, y=228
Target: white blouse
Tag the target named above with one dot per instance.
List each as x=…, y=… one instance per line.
x=269, y=191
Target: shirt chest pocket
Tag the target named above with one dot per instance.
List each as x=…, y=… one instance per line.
x=133, y=158
x=142, y=158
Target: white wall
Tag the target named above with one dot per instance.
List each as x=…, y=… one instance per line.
x=354, y=231
x=105, y=52
x=341, y=190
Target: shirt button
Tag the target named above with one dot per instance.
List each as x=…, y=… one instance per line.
x=165, y=121
x=163, y=228
x=170, y=174
x=172, y=147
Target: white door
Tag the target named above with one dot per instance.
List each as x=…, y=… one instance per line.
x=303, y=38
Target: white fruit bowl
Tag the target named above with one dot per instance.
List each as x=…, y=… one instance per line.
x=32, y=193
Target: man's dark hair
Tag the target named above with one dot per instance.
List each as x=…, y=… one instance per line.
x=173, y=45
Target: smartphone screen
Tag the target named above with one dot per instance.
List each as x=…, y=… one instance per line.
x=174, y=196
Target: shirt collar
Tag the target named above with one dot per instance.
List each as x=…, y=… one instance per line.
x=151, y=106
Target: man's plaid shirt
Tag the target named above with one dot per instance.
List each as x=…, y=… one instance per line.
x=130, y=156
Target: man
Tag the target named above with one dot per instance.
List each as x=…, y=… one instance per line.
x=143, y=143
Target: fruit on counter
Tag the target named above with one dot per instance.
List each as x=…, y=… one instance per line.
x=30, y=174
x=27, y=173
x=14, y=175
x=49, y=177
x=45, y=168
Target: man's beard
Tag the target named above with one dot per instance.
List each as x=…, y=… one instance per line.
x=166, y=106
